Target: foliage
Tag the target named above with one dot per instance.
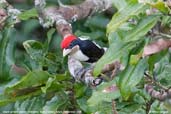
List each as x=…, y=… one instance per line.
x=34, y=75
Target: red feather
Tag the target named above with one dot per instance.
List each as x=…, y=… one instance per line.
x=67, y=40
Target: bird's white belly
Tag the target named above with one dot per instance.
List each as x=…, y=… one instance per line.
x=79, y=56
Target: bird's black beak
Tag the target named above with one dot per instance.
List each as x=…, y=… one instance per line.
x=66, y=52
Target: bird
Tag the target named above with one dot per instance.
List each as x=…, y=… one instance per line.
x=83, y=50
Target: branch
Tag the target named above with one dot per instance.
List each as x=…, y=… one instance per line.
x=161, y=95
x=62, y=15
x=82, y=74
x=86, y=74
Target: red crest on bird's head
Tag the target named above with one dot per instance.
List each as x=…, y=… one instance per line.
x=67, y=40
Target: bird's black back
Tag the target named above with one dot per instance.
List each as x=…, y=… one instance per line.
x=89, y=48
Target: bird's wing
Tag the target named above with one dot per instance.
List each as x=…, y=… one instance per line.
x=91, y=50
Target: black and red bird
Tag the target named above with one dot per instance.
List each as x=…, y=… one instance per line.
x=82, y=50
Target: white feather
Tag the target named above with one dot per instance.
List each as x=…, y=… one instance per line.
x=84, y=38
x=96, y=44
x=79, y=56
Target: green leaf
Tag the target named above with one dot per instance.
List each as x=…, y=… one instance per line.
x=132, y=109
x=53, y=82
x=114, y=37
x=82, y=102
x=137, y=32
x=31, y=85
x=162, y=69
x=58, y=102
x=100, y=95
x=101, y=99
x=119, y=48
x=63, y=77
x=130, y=77
x=6, y=52
x=96, y=35
x=153, y=59
x=34, y=49
x=133, y=8
x=28, y=14
x=32, y=79
x=48, y=84
x=161, y=6
x=134, y=59
x=30, y=104
x=80, y=90
x=164, y=77
x=50, y=34
x=116, y=51
x=49, y=38
x=57, y=82
x=103, y=108
x=167, y=105
x=4, y=99
x=165, y=20
x=97, y=22
x=120, y=4
x=158, y=107
x=141, y=29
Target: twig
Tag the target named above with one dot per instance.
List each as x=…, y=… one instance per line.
x=114, y=107
x=148, y=105
x=154, y=81
x=160, y=95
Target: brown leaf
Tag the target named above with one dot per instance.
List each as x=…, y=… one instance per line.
x=110, y=89
x=156, y=47
x=19, y=70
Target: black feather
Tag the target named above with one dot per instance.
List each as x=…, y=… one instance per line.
x=89, y=48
